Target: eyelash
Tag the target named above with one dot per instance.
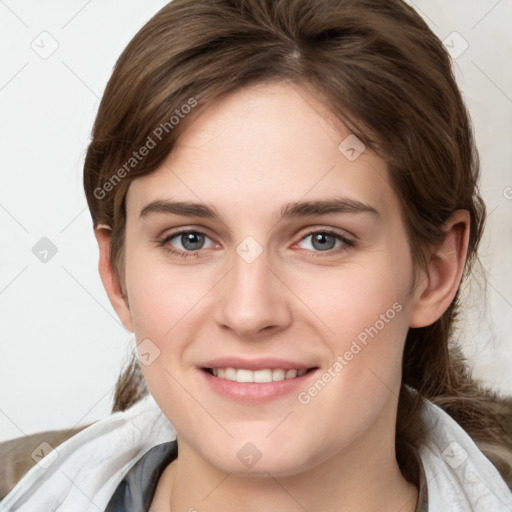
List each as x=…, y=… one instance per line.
x=347, y=244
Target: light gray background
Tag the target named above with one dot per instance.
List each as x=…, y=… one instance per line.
x=61, y=345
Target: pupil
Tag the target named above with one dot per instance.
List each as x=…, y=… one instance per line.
x=321, y=239
x=192, y=241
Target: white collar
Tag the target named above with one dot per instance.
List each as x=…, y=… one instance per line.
x=459, y=476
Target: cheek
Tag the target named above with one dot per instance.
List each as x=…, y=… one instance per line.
x=355, y=298
x=161, y=296
x=165, y=302
x=364, y=309
x=366, y=319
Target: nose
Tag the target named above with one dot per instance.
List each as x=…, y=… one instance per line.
x=253, y=301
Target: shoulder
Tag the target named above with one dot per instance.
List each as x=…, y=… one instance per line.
x=459, y=476
x=20, y=454
x=83, y=472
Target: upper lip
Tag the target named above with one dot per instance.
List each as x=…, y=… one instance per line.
x=255, y=364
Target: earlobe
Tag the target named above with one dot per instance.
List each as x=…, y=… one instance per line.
x=109, y=278
x=444, y=272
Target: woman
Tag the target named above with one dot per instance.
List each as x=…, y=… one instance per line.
x=285, y=200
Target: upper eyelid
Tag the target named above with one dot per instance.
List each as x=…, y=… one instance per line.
x=178, y=231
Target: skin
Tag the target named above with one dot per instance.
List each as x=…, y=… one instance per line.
x=247, y=155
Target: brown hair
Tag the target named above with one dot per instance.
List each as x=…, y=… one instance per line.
x=383, y=72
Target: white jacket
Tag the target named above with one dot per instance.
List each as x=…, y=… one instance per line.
x=82, y=474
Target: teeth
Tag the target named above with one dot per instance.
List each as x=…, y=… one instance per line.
x=244, y=376
x=261, y=376
x=278, y=374
x=230, y=374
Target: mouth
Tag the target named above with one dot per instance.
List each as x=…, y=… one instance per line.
x=253, y=381
x=263, y=376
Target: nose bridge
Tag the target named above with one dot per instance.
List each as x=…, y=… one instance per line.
x=251, y=298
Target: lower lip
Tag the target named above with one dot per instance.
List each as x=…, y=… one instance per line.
x=252, y=392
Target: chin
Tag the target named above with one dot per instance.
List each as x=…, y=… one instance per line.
x=249, y=461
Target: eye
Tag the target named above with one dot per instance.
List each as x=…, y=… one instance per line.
x=186, y=242
x=326, y=241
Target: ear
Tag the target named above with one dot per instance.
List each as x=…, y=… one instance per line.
x=444, y=272
x=109, y=279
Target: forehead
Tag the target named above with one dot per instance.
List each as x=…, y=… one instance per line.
x=262, y=146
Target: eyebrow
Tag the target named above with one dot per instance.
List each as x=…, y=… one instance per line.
x=295, y=209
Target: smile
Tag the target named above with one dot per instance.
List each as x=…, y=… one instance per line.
x=260, y=376
x=256, y=380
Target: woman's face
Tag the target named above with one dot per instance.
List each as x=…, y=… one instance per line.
x=296, y=258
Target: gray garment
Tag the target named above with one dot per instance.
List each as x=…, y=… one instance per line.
x=137, y=489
